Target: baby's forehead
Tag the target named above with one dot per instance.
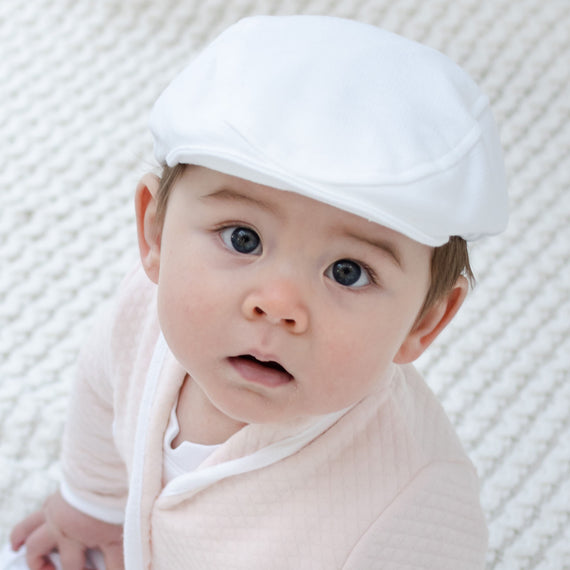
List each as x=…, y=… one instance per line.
x=231, y=193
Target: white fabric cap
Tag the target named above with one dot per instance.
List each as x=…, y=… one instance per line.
x=345, y=113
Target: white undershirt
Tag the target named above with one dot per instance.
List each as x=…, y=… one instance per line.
x=184, y=458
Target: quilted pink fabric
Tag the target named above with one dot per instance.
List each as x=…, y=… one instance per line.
x=386, y=485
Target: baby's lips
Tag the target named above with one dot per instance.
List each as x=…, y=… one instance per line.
x=266, y=372
x=272, y=364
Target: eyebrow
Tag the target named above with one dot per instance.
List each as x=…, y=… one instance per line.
x=384, y=245
x=229, y=195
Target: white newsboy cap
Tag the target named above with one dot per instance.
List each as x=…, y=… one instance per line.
x=345, y=113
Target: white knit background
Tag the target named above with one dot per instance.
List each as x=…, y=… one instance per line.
x=77, y=80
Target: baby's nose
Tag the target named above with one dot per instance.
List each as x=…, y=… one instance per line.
x=279, y=304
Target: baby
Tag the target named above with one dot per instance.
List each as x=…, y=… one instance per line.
x=248, y=400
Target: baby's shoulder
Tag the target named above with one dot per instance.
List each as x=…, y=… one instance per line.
x=136, y=293
x=420, y=419
x=133, y=315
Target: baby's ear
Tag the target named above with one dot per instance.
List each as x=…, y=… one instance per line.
x=148, y=227
x=432, y=322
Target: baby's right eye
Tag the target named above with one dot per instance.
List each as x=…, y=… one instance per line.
x=241, y=239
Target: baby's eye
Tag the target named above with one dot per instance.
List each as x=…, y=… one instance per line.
x=242, y=240
x=348, y=273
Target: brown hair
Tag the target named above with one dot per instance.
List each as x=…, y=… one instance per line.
x=448, y=261
x=169, y=176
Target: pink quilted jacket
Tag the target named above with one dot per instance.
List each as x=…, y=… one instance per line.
x=382, y=485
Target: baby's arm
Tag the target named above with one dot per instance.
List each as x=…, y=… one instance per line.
x=88, y=511
x=59, y=526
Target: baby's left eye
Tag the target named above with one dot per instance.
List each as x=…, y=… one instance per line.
x=348, y=273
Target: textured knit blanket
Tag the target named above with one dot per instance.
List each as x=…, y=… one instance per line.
x=77, y=79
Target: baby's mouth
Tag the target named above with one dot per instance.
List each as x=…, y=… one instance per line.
x=269, y=364
x=268, y=372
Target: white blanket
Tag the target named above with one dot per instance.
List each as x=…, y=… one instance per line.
x=77, y=79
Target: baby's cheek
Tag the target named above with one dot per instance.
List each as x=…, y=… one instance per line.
x=357, y=367
x=175, y=317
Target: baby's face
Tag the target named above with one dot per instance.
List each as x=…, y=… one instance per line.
x=279, y=306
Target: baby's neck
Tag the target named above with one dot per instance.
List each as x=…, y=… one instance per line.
x=199, y=421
